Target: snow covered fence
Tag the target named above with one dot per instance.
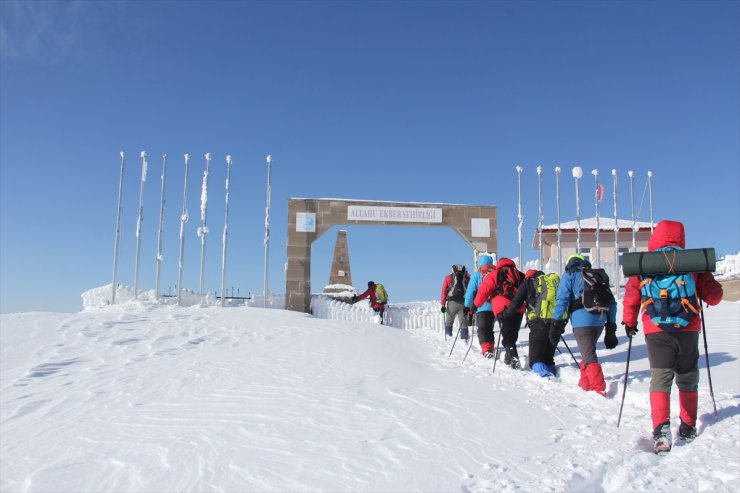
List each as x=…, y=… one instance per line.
x=728, y=267
x=415, y=315
x=101, y=296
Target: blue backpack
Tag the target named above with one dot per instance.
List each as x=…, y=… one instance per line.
x=670, y=300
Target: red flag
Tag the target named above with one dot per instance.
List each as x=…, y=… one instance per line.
x=599, y=192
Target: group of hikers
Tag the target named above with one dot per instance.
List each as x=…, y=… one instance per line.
x=502, y=294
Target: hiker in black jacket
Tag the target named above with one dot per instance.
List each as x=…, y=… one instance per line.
x=541, y=350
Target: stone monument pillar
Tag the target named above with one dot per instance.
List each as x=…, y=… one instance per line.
x=340, y=274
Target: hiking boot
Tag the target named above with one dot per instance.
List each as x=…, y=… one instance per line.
x=511, y=357
x=514, y=363
x=448, y=331
x=662, y=437
x=488, y=354
x=686, y=432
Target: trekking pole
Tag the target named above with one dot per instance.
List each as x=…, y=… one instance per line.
x=571, y=352
x=626, y=374
x=709, y=373
x=466, y=352
x=454, y=340
x=473, y=333
x=498, y=345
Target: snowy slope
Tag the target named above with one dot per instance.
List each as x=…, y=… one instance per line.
x=146, y=397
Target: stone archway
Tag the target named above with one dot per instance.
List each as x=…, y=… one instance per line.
x=308, y=219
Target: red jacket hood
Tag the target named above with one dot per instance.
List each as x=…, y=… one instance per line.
x=667, y=233
x=505, y=262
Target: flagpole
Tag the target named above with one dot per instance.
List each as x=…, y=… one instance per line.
x=267, y=231
x=539, y=224
x=117, y=242
x=183, y=220
x=578, y=174
x=161, y=227
x=557, y=198
x=631, y=174
x=139, y=220
x=650, y=185
x=617, y=274
x=520, y=217
x=203, y=230
x=224, y=237
x=595, y=172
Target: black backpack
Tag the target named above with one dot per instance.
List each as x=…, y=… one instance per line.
x=597, y=296
x=508, y=279
x=458, y=284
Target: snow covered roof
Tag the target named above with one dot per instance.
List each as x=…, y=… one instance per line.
x=605, y=223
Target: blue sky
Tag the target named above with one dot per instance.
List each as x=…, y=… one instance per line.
x=399, y=101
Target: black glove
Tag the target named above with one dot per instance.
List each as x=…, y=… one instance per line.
x=443, y=309
x=556, y=331
x=610, y=336
x=500, y=318
x=630, y=330
x=354, y=298
x=469, y=313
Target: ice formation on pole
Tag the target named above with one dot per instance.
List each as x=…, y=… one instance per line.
x=560, y=232
x=617, y=274
x=267, y=230
x=631, y=174
x=224, y=236
x=595, y=172
x=159, y=257
x=578, y=174
x=203, y=229
x=520, y=217
x=140, y=218
x=183, y=220
x=539, y=216
x=116, y=245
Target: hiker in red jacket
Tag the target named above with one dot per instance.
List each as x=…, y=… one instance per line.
x=671, y=354
x=377, y=305
x=501, y=285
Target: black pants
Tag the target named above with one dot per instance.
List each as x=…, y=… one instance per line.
x=541, y=349
x=510, y=330
x=485, y=326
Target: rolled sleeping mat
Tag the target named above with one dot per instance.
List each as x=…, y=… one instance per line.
x=692, y=260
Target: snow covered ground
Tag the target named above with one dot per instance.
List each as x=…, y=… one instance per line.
x=150, y=397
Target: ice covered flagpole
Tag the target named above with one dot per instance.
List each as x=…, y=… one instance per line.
x=267, y=232
x=557, y=199
x=650, y=187
x=203, y=229
x=161, y=227
x=225, y=235
x=631, y=174
x=144, y=165
x=539, y=223
x=117, y=241
x=183, y=220
x=578, y=174
x=617, y=282
x=595, y=172
x=519, y=216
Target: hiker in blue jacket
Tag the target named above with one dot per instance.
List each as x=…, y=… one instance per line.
x=484, y=317
x=587, y=326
